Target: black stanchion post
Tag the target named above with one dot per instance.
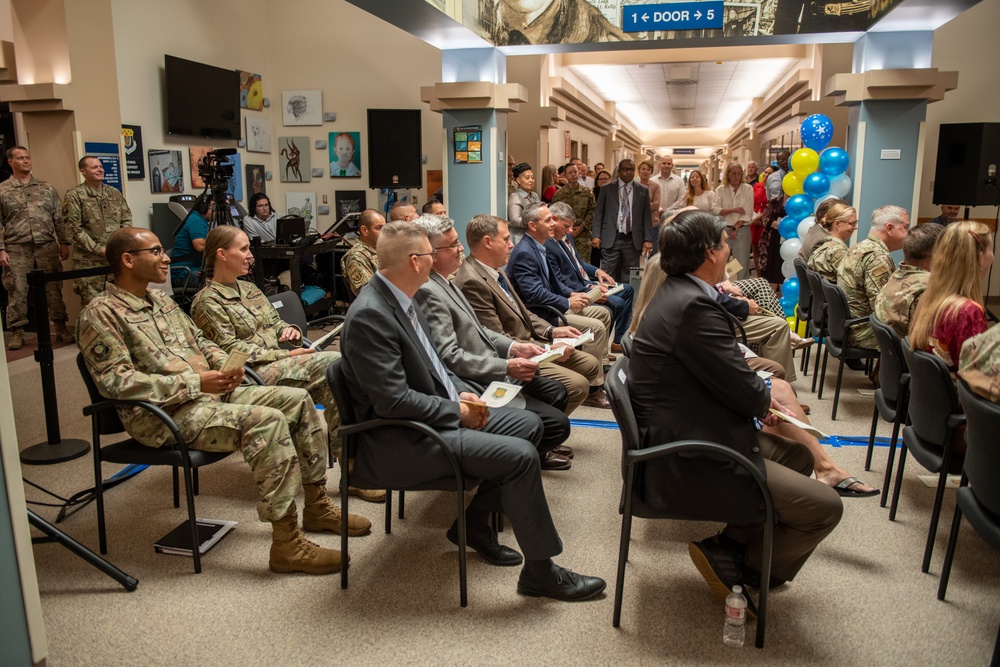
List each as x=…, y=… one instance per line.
x=55, y=450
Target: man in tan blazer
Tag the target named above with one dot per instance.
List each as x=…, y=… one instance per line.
x=487, y=288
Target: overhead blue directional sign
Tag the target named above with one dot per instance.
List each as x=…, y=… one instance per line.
x=672, y=16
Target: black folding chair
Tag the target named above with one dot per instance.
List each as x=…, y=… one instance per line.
x=839, y=324
x=817, y=321
x=289, y=307
x=803, y=308
x=633, y=457
x=891, y=397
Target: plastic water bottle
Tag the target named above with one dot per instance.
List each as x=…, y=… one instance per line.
x=734, y=632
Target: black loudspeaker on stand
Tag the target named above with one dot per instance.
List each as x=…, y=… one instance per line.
x=394, y=149
x=967, y=159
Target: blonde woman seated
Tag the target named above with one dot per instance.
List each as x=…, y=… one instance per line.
x=824, y=467
x=237, y=316
x=840, y=222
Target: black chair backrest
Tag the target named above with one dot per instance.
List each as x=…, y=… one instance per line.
x=817, y=310
x=616, y=384
x=107, y=420
x=892, y=365
x=627, y=343
x=290, y=309
x=837, y=311
x=982, y=456
x=933, y=398
x=805, y=291
x=342, y=397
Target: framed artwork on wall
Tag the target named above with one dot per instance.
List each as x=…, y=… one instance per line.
x=251, y=91
x=197, y=153
x=166, y=171
x=258, y=135
x=348, y=201
x=345, y=154
x=302, y=203
x=256, y=179
x=302, y=107
x=293, y=161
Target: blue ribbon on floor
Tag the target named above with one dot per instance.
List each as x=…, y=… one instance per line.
x=833, y=440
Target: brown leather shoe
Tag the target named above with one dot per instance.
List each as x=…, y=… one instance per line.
x=616, y=347
x=551, y=461
x=597, y=399
x=563, y=450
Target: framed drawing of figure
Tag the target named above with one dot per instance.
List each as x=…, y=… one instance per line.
x=255, y=179
x=345, y=154
x=293, y=162
x=302, y=107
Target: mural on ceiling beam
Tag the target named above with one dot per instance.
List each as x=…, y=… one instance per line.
x=519, y=22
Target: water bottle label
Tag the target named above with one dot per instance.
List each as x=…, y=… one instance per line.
x=736, y=613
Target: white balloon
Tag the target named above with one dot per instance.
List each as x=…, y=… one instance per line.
x=805, y=225
x=823, y=199
x=789, y=249
x=788, y=268
x=840, y=185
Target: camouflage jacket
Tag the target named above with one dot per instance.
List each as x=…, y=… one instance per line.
x=581, y=200
x=897, y=301
x=240, y=318
x=91, y=216
x=29, y=213
x=979, y=364
x=827, y=256
x=145, y=349
x=359, y=264
x=863, y=273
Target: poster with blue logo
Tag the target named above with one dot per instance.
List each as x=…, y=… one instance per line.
x=107, y=153
x=135, y=168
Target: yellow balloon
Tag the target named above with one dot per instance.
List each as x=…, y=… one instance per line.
x=791, y=184
x=804, y=161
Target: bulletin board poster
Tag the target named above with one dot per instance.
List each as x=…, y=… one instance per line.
x=468, y=143
x=107, y=153
x=132, y=143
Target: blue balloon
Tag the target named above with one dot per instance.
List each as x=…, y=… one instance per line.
x=817, y=131
x=788, y=228
x=834, y=161
x=816, y=185
x=799, y=207
x=788, y=306
x=790, y=289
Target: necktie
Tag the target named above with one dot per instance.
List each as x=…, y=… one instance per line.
x=439, y=368
x=572, y=255
x=626, y=209
x=343, y=172
x=504, y=286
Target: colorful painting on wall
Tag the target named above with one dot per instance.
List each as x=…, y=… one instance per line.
x=251, y=91
x=345, y=154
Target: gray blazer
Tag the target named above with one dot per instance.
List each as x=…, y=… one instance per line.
x=606, y=215
x=466, y=347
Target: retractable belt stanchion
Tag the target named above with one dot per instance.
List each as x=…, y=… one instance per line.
x=55, y=449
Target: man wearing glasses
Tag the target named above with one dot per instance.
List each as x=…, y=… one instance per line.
x=138, y=344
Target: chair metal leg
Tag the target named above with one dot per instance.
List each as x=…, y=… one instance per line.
x=822, y=378
x=194, y=476
x=995, y=660
x=836, y=391
x=102, y=536
x=344, y=484
x=388, y=510
x=765, y=576
x=891, y=458
x=192, y=518
x=177, y=497
x=949, y=554
x=899, y=483
x=623, y=546
x=402, y=503
x=935, y=515
x=463, y=593
x=871, y=440
x=819, y=353
x=804, y=366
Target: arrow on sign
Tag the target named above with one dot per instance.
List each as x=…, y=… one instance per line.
x=645, y=17
x=697, y=15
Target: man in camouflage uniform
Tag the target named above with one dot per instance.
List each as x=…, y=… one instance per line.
x=979, y=363
x=581, y=199
x=867, y=266
x=32, y=237
x=138, y=344
x=92, y=211
x=826, y=258
x=360, y=263
x=897, y=301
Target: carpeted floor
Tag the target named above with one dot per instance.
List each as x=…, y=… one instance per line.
x=860, y=600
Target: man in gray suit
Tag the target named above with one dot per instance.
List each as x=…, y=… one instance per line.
x=623, y=223
x=393, y=372
x=480, y=356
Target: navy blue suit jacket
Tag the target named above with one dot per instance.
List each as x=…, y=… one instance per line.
x=565, y=269
x=535, y=281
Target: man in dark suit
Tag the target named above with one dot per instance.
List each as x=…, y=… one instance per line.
x=688, y=380
x=570, y=270
x=393, y=372
x=480, y=356
x=623, y=222
x=498, y=308
x=537, y=285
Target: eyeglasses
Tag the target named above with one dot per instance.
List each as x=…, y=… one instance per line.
x=454, y=246
x=432, y=253
x=155, y=251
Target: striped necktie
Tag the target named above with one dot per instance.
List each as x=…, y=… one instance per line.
x=439, y=368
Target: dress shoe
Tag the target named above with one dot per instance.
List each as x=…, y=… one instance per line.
x=564, y=450
x=616, y=348
x=552, y=461
x=597, y=399
x=560, y=584
x=484, y=542
x=719, y=561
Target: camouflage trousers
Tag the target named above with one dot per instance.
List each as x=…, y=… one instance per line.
x=863, y=336
x=308, y=371
x=24, y=258
x=278, y=430
x=88, y=288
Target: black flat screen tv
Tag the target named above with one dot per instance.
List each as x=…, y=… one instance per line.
x=202, y=101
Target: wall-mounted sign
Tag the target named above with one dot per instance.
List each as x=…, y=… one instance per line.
x=672, y=16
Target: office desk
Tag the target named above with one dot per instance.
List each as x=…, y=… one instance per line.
x=327, y=255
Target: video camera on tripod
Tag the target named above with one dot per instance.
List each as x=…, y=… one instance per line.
x=216, y=176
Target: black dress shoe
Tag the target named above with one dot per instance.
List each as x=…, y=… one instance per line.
x=484, y=542
x=563, y=450
x=751, y=578
x=560, y=584
x=552, y=461
x=718, y=564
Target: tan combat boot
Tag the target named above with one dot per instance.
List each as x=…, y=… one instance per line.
x=292, y=552
x=321, y=514
x=63, y=335
x=371, y=495
x=16, y=341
